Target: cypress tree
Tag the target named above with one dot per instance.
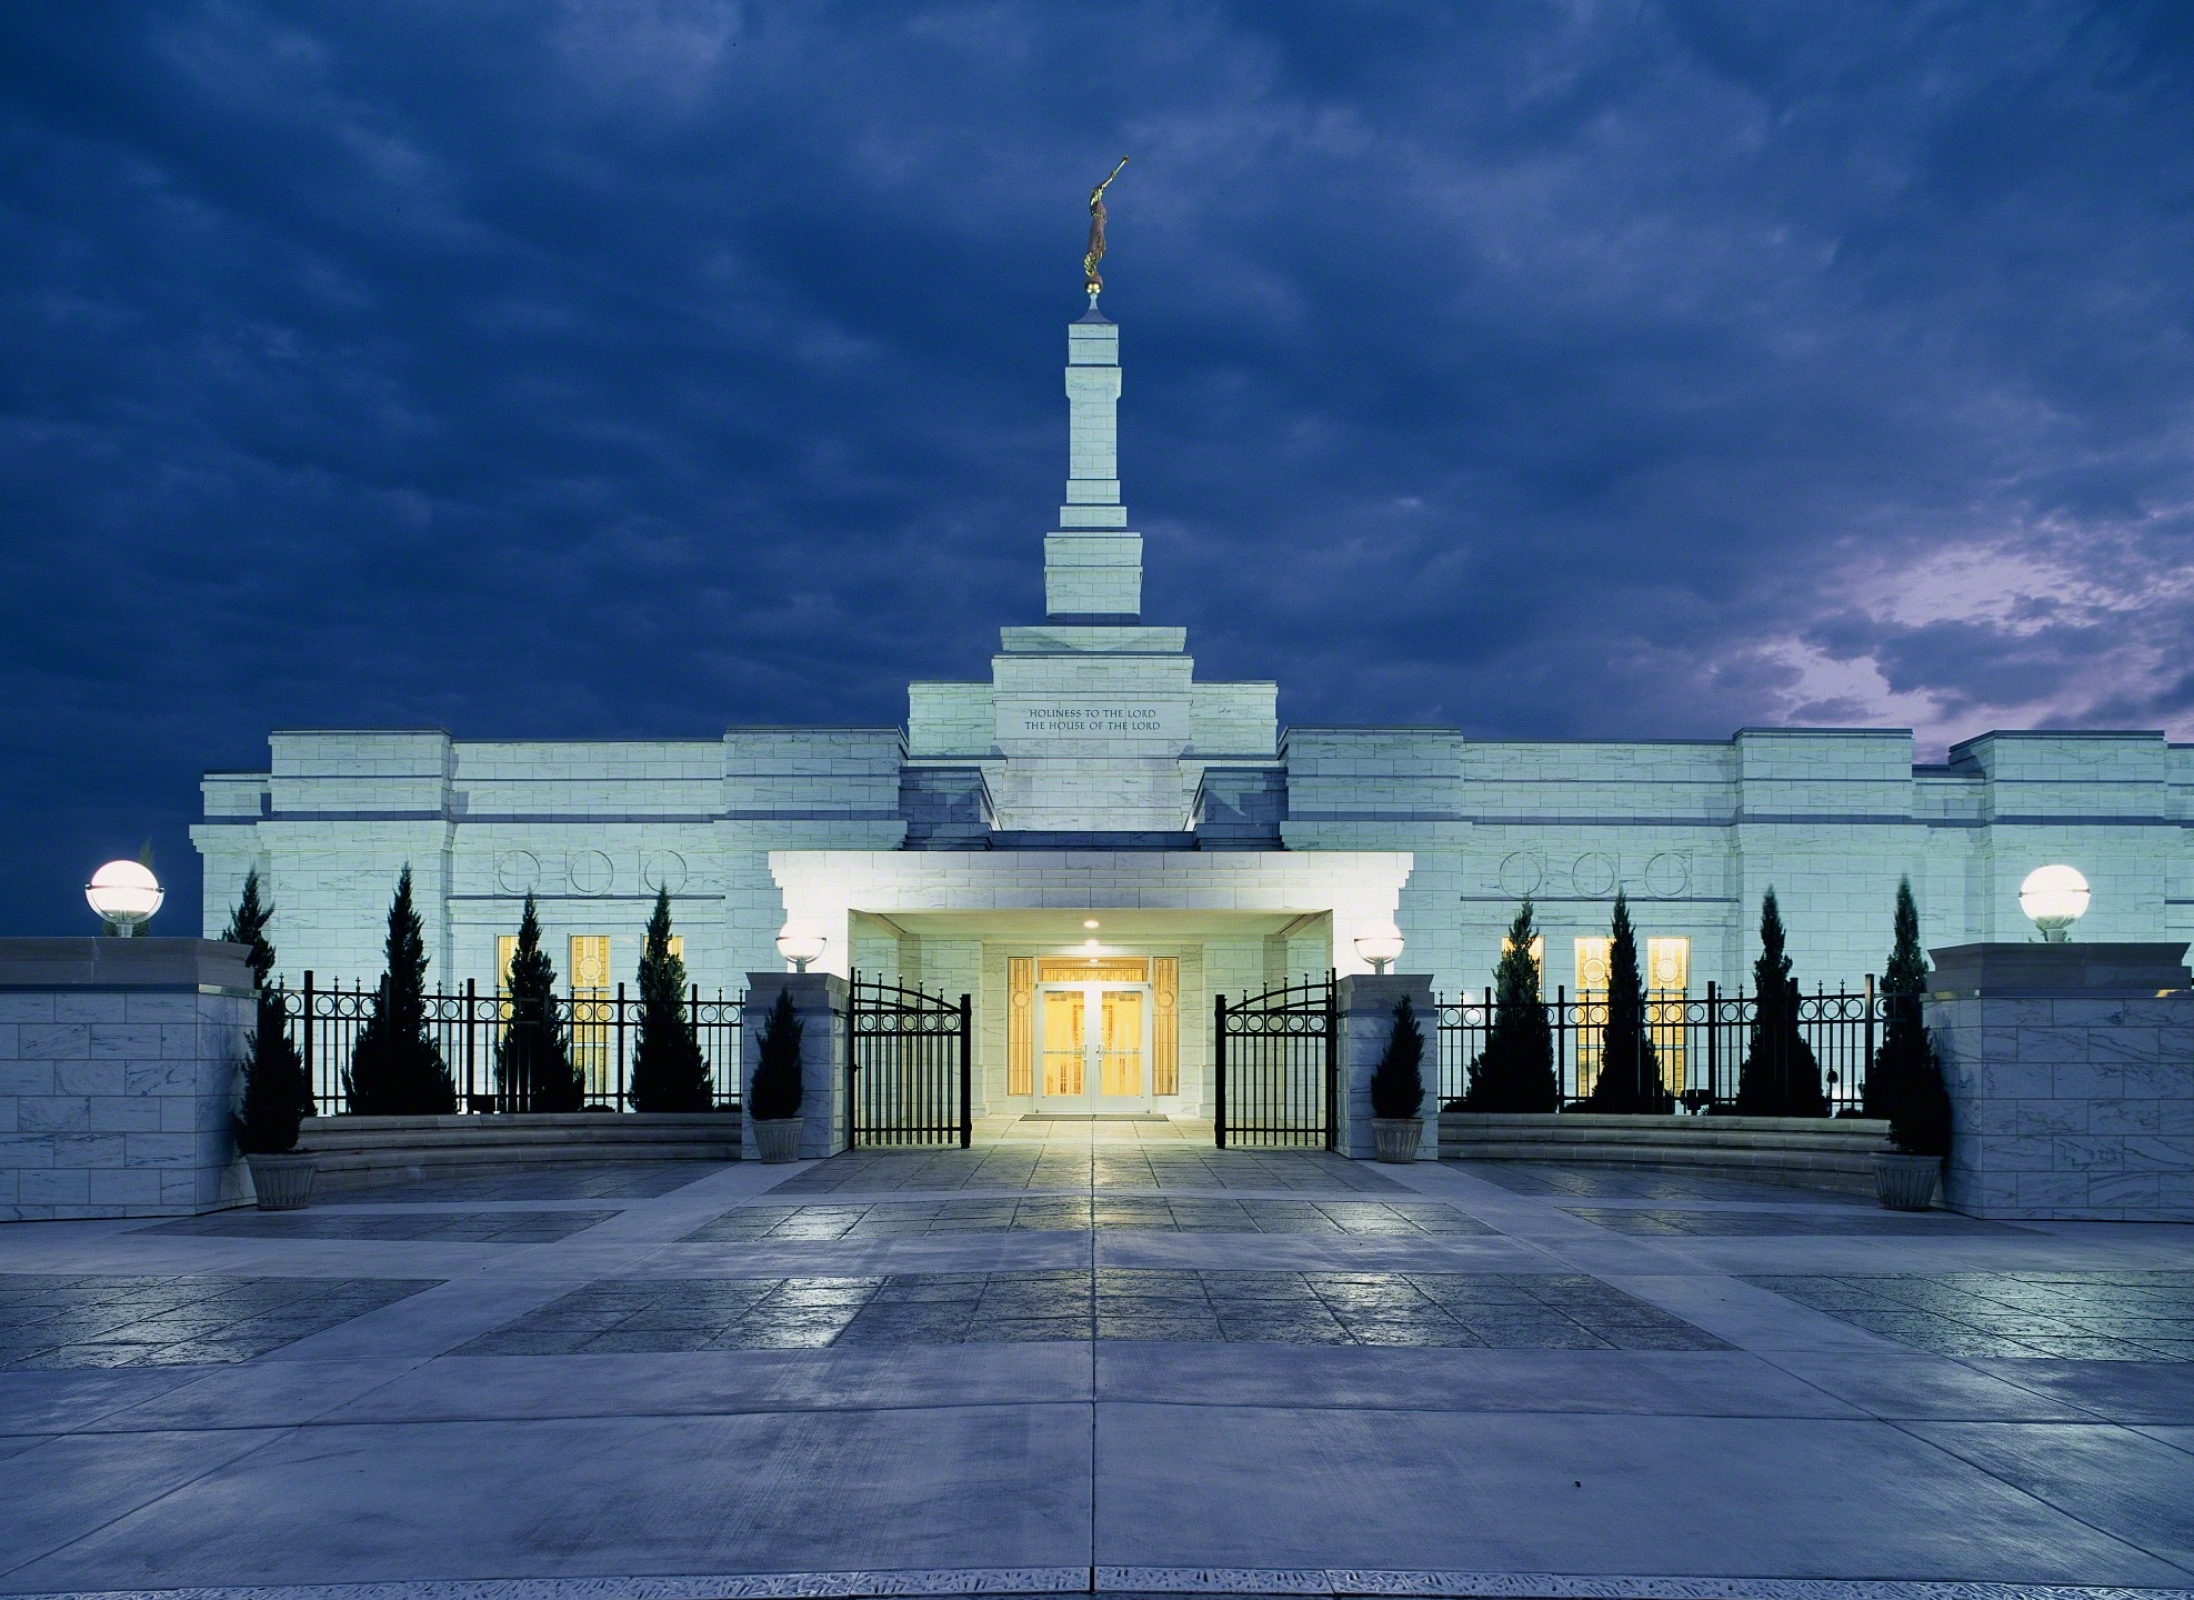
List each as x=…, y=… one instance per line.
x=1905, y=1080
x=395, y=1068
x=277, y=1092
x=1516, y=1072
x=777, y=1088
x=668, y=1072
x=1630, y=1068
x=1398, y=1081
x=533, y=1066
x=1779, y=1077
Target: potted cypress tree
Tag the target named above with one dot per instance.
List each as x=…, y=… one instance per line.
x=277, y=1095
x=775, y=1093
x=1906, y=1081
x=1398, y=1088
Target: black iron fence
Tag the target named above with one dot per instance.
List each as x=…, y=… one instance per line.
x=1700, y=1042
x=1275, y=1060
x=907, y=1066
x=603, y=1026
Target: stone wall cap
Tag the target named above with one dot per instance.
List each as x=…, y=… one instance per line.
x=146, y=963
x=2098, y=969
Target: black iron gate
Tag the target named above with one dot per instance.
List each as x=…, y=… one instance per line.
x=1275, y=1068
x=906, y=1066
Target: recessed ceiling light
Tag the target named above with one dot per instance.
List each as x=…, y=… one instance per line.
x=1090, y=923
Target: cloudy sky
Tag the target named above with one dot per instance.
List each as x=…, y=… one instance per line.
x=1544, y=369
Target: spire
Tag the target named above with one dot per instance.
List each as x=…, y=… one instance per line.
x=1093, y=567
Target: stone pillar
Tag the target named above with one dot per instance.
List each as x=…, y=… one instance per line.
x=118, y=1077
x=1366, y=1004
x=819, y=1000
x=2071, y=1077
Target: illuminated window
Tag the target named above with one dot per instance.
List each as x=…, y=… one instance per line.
x=1668, y=982
x=1593, y=958
x=591, y=1013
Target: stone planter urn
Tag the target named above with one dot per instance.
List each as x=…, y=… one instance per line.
x=1906, y=1182
x=1397, y=1137
x=778, y=1138
x=283, y=1182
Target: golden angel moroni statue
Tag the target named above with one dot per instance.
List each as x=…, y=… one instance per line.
x=1091, y=280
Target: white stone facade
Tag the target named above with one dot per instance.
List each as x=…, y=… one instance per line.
x=1093, y=777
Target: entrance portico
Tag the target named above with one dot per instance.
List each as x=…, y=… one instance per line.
x=1091, y=971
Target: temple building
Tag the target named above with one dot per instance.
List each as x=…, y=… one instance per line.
x=1094, y=842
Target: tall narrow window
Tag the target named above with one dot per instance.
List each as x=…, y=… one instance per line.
x=1668, y=982
x=1590, y=1015
x=1020, y=1025
x=590, y=1013
x=1165, y=1025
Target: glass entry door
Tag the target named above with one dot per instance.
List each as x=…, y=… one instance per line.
x=1093, y=1040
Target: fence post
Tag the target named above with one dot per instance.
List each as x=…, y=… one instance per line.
x=1713, y=1044
x=311, y=1066
x=967, y=1079
x=1866, y=1062
x=624, y=1102
x=1218, y=1070
x=1561, y=1046
x=472, y=1017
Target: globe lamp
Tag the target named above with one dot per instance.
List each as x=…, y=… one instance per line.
x=125, y=894
x=800, y=948
x=2054, y=898
x=1380, y=948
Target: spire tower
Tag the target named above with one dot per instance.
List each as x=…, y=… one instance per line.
x=1093, y=566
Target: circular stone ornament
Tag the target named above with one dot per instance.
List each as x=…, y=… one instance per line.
x=1593, y=875
x=1521, y=873
x=664, y=870
x=1668, y=874
x=518, y=872
x=592, y=872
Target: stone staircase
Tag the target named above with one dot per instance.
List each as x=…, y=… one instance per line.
x=359, y=1152
x=1808, y=1152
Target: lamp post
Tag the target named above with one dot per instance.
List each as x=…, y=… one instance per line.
x=800, y=948
x=125, y=894
x=2054, y=897
x=1380, y=947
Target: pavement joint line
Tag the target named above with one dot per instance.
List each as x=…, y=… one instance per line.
x=1431, y=1584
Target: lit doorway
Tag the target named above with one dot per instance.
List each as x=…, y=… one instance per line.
x=1094, y=1033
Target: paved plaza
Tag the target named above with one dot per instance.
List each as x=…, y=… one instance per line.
x=1094, y=1355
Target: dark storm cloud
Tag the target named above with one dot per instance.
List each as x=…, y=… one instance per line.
x=605, y=369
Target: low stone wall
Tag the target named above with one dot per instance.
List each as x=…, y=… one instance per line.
x=2071, y=1077
x=1810, y=1152
x=361, y=1152
x=118, y=1077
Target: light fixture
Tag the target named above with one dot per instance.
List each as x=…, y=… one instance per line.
x=125, y=894
x=1381, y=947
x=1089, y=922
x=2055, y=898
x=800, y=948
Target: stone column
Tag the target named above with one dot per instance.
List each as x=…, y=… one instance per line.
x=2071, y=1077
x=1366, y=1004
x=819, y=1000
x=118, y=1077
